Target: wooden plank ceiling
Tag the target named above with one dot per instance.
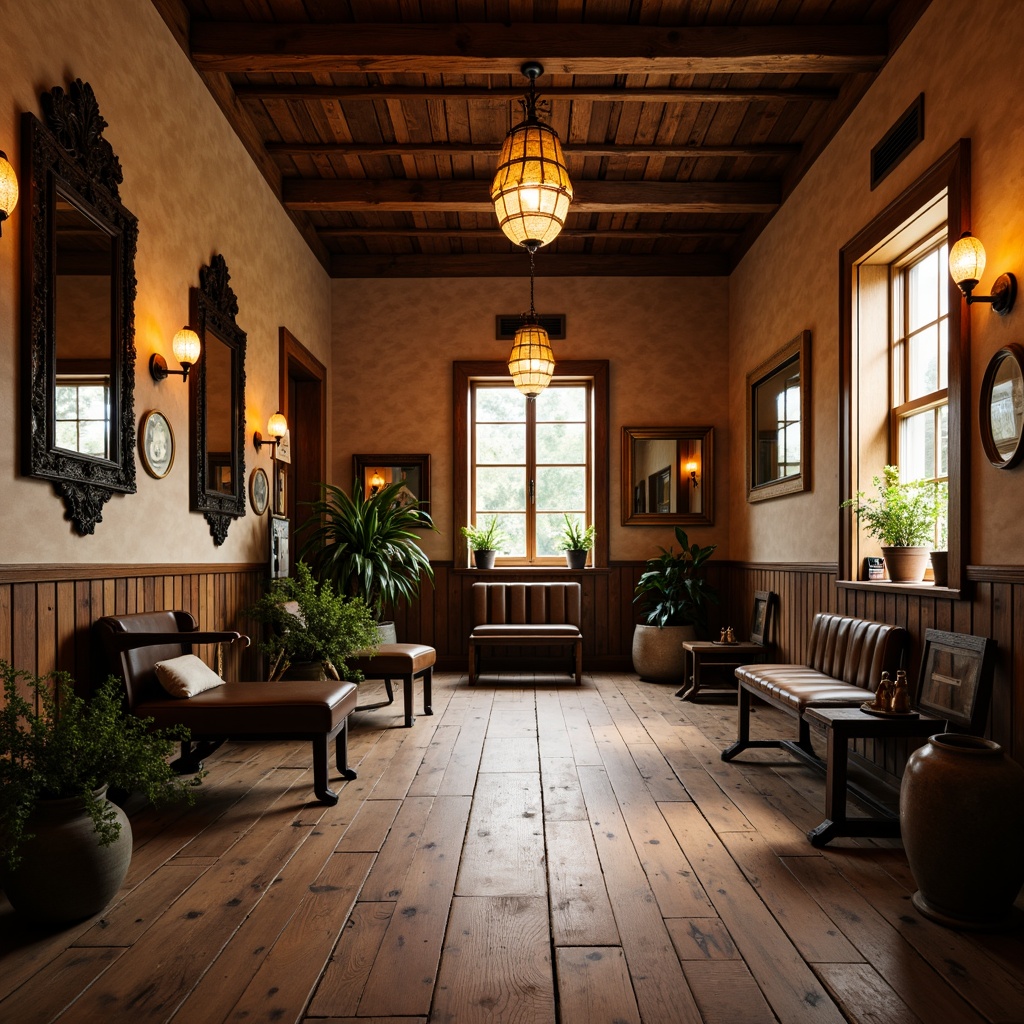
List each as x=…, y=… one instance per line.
x=685, y=122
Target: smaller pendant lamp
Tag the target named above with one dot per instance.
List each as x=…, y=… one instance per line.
x=531, y=361
x=531, y=190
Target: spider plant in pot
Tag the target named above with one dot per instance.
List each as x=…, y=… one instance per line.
x=485, y=542
x=576, y=541
x=64, y=847
x=367, y=547
x=902, y=518
x=313, y=628
x=674, y=598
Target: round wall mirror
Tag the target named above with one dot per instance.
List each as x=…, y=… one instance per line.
x=1001, y=408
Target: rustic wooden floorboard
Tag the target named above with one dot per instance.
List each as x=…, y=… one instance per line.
x=533, y=853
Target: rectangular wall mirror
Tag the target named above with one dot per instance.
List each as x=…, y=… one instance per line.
x=778, y=422
x=667, y=475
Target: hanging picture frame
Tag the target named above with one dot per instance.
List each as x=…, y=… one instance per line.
x=156, y=444
x=259, y=490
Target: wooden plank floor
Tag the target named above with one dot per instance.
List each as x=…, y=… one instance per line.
x=533, y=852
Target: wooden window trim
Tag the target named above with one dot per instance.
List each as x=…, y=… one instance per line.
x=950, y=173
x=463, y=373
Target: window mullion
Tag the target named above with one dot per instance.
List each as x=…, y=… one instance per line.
x=531, y=481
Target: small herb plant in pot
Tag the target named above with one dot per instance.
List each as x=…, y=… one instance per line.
x=674, y=599
x=902, y=518
x=64, y=847
x=576, y=541
x=485, y=542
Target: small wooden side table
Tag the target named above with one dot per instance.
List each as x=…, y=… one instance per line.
x=702, y=653
x=843, y=725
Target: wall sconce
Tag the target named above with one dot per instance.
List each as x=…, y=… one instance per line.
x=8, y=189
x=376, y=482
x=967, y=264
x=186, y=347
x=277, y=427
x=531, y=190
x=691, y=468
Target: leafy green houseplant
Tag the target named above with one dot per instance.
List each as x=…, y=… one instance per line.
x=311, y=622
x=58, y=755
x=576, y=540
x=485, y=542
x=903, y=515
x=367, y=547
x=674, y=599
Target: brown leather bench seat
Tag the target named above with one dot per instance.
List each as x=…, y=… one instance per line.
x=313, y=710
x=399, y=661
x=526, y=615
x=845, y=662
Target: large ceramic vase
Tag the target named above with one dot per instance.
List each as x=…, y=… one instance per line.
x=658, y=654
x=962, y=820
x=64, y=874
x=906, y=564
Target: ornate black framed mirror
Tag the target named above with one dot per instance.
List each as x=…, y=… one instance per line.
x=1001, y=408
x=217, y=403
x=667, y=475
x=78, y=326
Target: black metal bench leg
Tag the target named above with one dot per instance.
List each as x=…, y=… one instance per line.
x=341, y=753
x=321, y=754
x=407, y=699
x=742, y=725
x=191, y=759
x=428, y=697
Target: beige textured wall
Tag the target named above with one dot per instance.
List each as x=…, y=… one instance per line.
x=195, y=192
x=394, y=343
x=963, y=57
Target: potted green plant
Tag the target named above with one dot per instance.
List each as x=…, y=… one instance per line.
x=367, y=547
x=674, y=600
x=64, y=847
x=576, y=541
x=312, y=628
x=902, y=518
x=485, y=542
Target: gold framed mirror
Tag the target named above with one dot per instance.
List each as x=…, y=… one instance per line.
x=667, y=475
x=778, y=422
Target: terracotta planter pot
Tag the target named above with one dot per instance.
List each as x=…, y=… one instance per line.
x=906, y=565
x=576, y=558
x=940, y=567
x=64, y=874
x=658, y=654
x=962, y=819
x=484, y=559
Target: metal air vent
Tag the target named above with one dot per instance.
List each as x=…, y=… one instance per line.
x=898, y=141
x=506, y=325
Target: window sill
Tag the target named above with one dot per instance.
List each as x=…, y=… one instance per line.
x=913, y=589
x=520, y=570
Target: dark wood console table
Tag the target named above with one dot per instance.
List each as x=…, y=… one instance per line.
x=703, y=653
x=843, y=725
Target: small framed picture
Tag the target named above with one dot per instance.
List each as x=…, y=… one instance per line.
x=281, y=490
x=259, y=490
x=156, y=444
x=280, y=559
x=284, y=449
x=956, y=677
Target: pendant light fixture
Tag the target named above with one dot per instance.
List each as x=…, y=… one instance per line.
x=531, y=361
x=531, y=190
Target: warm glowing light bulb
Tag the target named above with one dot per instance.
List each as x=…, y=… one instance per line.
x=8, y=188
x=186, y=346
x=967, y=261
x=277, y=425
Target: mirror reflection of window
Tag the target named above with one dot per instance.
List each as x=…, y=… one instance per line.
x=218, y=358
x=83, y=333
x=777, y=424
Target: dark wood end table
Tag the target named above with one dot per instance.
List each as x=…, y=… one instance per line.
x=843, y=725
x=702, y=653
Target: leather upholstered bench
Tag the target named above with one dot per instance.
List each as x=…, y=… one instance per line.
x=316, y=711
x=399, y=661
x=527, y=615
x=844, y=665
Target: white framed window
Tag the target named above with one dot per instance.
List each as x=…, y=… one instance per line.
x=82, y=413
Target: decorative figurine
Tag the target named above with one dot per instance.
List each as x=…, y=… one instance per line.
x=730, y=637
x=721, y=636
x=900, y=694
x=883, y=695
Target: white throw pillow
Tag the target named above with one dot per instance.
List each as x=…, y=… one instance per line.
x=186, y=676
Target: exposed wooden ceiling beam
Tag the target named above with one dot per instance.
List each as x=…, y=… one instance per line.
x=596, y=94
x=496, y=232
x=459, y=196
x=491, y=149
x=565, y=49
x=517, y=265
